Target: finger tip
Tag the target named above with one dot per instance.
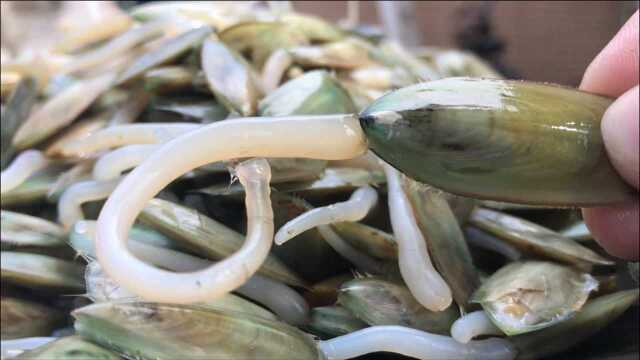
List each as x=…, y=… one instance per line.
x=620, y=134
x=615, y=229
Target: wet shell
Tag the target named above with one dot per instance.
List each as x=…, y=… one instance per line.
x=165, y=53
x=325, y=292
x=35, y=189
x=533, y=238
x=20, y=230
x=162, y=331
x=61, y=110
x=370, y=240
x=500, y=140
x=230, y=77
x=203, y=110
x=593, y=317
x=101, y=288
x=381, y=302
x=22, y=318
x=314, y=93
x=16, y=112
x=260, y=39
x=445, y=240
x=41, y=272
x=174, y=78
x=344, y=54
x=332, y=321
x=206, y=236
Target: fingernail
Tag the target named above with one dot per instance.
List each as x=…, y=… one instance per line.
x=620, y=133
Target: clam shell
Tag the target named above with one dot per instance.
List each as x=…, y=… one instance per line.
x=162, y=331
x=260, y=39
x=206, y=236
x=332, y=321
x=502, y=140
x=314, y=93
x=14, y=114
x=41, y=272
x=166, y=52
x=381, y=302
x=527, y=296
x=23, y=318
x=370, y=240
x=533, y=238
x=445, y=240
x=230, y=78
x=20, y=230
x=593, y=317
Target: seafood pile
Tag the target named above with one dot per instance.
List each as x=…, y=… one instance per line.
x=238, y=180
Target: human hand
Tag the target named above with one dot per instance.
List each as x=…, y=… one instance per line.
x=614, y=72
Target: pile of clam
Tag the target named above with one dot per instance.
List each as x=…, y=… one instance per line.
x=198, y=180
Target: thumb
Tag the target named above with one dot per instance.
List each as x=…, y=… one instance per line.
x=620, y=133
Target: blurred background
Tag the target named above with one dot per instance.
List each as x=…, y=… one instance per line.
x=536, y=40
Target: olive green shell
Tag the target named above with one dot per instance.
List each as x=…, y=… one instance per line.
x=41, y=272
x=166, y=52
x=532, y=238
x=314, y=93
x=593, y=317
x=371, y=241
x=332, y=321
x=381, y=302
x=162, y=331
x=16, y=112
x=447, y=247
x=511, y=141
x=69, y=348
x=207, y=237
x=34, y=190
x=21, y=230
x=23, y=318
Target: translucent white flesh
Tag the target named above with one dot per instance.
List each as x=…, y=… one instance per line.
x=273, y=70
x=425, y=283
x=471, y=325
x=114, y=163
x=71, y=200
x=368, y=161
x=414, y=343
x=274, y=295
x=121, y=135
x=355, y=209
x=342, y=138
x=21, y=168
x=15, y=347
x=153, y=284
x=285, y=302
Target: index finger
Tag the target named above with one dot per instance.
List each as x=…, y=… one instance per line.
x=615, y=68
